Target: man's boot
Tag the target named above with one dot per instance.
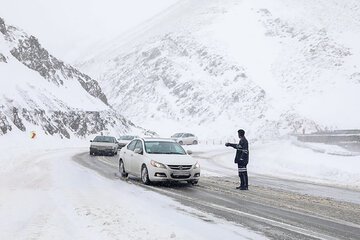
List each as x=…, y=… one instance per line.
x=241, y=175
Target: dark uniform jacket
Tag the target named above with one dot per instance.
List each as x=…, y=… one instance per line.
x=242, y=151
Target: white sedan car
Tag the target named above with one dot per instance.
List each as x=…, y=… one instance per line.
x=155, y=160
x=123, y=140
x=185, y=138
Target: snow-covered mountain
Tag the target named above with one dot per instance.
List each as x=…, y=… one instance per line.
x=211, y=66
x=40, y=92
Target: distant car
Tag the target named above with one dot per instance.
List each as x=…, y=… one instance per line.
x=105, y=145
x=155, y=159
x=123, y=140
x=185, y=138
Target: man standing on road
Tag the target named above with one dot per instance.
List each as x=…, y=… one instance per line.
x=241, y=158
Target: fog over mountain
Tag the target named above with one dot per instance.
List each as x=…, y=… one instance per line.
x=272, y=67
x=68, y=28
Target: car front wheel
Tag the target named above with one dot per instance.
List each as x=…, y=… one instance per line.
x=122, y=169
x=145, y=175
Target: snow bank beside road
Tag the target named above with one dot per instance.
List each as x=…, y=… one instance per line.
x=285, y=160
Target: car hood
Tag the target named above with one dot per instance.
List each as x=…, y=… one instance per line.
x=172, y=159
x=124, y=141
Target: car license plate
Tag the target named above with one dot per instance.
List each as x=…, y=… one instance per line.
x=181, y=173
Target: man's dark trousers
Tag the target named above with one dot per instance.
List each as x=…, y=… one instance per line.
x=243, y=176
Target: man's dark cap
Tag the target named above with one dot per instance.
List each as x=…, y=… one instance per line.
x=241, y=132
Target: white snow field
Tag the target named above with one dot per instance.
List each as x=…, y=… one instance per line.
x=44, y=194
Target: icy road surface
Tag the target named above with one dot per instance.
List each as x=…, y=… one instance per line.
x=278, y=208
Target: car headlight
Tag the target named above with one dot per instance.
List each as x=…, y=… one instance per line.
x=157, y=164
x=197, y=165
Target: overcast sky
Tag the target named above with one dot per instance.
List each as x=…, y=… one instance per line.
x=67, y=27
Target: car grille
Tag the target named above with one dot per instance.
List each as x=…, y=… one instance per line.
x=180, y=167
x=180, y=176
x=103, y=148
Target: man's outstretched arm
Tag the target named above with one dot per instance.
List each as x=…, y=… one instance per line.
x=234, y=145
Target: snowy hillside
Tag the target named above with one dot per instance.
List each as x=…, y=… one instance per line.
x=272, y=67
x=40, y=92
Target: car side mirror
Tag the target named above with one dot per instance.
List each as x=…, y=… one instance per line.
x=138, y=151
x=90, y=140
x=189, y=152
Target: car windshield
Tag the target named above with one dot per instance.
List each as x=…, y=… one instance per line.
x=161, y=147
x=126, y=137
x=103, y=139
x=177, y=135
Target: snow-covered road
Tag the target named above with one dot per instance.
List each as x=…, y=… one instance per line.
x=52, y=193
x=272, y=210
x=213, y=164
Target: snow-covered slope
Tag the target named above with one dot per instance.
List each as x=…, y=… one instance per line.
x=40, y=92
x=212, y=66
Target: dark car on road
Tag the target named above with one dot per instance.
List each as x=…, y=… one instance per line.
x=104, y=145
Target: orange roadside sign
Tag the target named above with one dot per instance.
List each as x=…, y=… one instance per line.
x=33, y=135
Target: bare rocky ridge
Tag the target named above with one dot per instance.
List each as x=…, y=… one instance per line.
x=57, y=118
x=31, y=54
x=2, y=26
x=2, y=58
x=29, y=51
x=64, y=123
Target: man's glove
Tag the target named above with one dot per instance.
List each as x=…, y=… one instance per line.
x=227, y=144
